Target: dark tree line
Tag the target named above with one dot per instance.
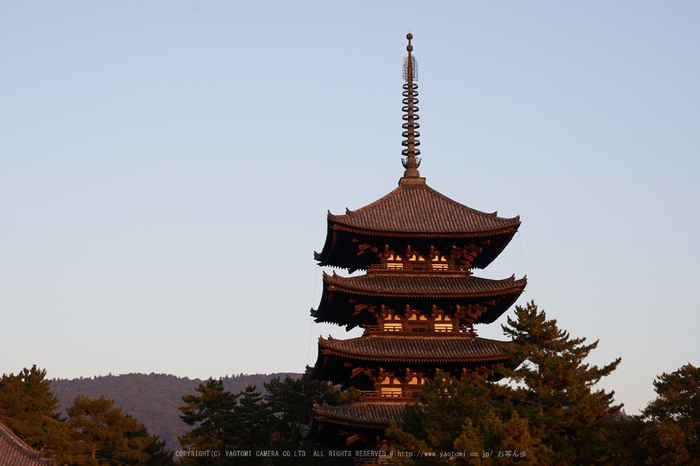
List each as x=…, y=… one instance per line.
x=225, y=424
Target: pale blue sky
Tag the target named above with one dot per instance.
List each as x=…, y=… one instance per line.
x=166, y=168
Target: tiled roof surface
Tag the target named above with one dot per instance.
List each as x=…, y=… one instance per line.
x=421, y=209
x=368, y=414
x=424, y=285
x=415, y=348
x=14, y=452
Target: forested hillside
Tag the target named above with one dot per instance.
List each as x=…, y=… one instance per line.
x=152, y=399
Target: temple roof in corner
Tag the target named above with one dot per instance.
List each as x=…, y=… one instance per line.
x=415, y=208
x=14, y=452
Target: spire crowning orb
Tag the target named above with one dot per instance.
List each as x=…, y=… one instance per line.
x=410, y=116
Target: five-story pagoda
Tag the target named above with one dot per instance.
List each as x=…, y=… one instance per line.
x=418, y=300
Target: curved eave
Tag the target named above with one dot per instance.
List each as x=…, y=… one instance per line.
x=337, y=368
x=358, y=414
x=486, y=233
x=418, y=360
x=335, y=306
x=334, y=363
x=334, y=425
x=514, y=287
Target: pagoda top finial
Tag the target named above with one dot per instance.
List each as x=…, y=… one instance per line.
x=410, y=116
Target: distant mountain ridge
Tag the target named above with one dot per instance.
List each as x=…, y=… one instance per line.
x=152, y=399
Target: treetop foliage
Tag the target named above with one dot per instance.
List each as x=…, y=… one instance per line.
x=28, y=407
x=671, y=423
x=550, y=410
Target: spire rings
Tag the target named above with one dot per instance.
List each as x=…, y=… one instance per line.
x=410, y=115
x=405, y=135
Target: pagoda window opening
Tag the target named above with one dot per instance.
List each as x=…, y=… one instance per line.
x=443, y=324
x=392, y=392
x=391, y=387
x=394, y=262
x=412, y=260
x=417, y=316
x=439, y=263
x=392, y=323
x=393, y=327
x=418, y=322
x=414, y=386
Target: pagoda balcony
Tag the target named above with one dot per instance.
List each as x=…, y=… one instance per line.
x=398, y=396
x=375, y=329
x=419, y=266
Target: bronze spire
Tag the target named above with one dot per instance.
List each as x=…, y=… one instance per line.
x=410, y=116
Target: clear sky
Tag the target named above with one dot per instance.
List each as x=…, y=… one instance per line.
x=166, y=169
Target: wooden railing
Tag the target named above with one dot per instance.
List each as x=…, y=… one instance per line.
x=411, y=266
x=404, y=395
x=422, y=330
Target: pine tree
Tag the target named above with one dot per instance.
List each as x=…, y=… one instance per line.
x=464, y=416
x=549, y=409
x=107, y=435
x=291, y=402
x=29, y=409
x=158, y=454
x=671, y=434
x=255, y=420
x=555, y=388
x=216, y=424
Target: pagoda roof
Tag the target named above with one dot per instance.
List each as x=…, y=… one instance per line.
x=369, y=414
x=341, y=294
x=338, y=359
x=335, y=425
x=416, y=208
x=423, y=285
x=13, y=451
x=418, y=348
x=413, y=214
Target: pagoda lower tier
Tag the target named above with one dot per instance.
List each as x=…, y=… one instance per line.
x=389, y=371
x=396, y=365
x=356, y=424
